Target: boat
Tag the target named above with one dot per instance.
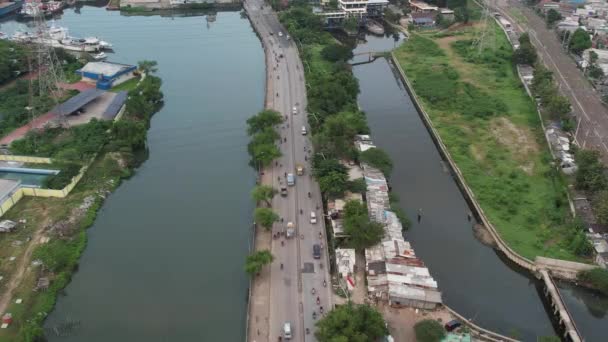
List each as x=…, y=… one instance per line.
x=8, y=7
x=374, y=27
x=99, y=56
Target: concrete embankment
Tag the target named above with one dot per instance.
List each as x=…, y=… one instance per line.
x=541, y=266
x=258, y=301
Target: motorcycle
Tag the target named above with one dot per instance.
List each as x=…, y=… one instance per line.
x=321, y=265
x=318, y=301
x=321, y=310
x=314, y=315
x=282, y=243
x=313, y=291
x=309, y=195
x=324, y=283
x=301, y=212
x=281, y=266
x=307, y=331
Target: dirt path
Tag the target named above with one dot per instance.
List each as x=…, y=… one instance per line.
x=22, y=267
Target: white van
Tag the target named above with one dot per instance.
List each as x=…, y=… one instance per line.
x=304, y=131
x=313, y=217
x=287, y=330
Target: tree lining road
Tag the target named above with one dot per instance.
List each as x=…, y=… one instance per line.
x=591, y=114
x=291, y=299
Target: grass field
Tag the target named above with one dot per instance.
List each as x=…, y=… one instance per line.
x=491, y=128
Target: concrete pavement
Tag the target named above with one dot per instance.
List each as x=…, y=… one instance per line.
x=592, y=115
x=291, y=286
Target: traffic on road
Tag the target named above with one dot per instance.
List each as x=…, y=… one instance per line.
x=299, y=292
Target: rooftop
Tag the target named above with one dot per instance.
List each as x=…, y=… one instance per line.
x=78, y=101
x=105, y=68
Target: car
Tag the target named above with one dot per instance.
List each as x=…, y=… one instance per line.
x=313, y=217
x=287, y=331
x=294, y=110
x=291, y=180
x=304, y=131
x=452, y=325
x=280, y=34
x=316, y=251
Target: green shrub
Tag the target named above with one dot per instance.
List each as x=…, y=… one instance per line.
x=597, y=277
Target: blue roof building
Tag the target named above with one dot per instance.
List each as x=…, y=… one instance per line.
x=106, y=74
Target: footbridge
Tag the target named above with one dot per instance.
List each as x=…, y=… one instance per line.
x=559, y=309
x=371, y=56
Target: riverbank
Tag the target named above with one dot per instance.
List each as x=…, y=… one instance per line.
x=493, y=133
x=52, y=232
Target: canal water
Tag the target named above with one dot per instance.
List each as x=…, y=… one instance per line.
x=475, y=280
x=164, y=260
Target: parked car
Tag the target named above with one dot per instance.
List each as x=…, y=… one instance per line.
x=452, y=325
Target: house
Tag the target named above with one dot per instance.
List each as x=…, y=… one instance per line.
x=447, y=13
x=106, y=74
x=423, y=19
x=422, y=7
x=568, y=24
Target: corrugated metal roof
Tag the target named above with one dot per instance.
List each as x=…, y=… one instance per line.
x=114, y=106
x=77, y=102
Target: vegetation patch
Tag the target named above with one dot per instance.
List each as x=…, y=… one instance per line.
x=492, y=131
x=56, y=226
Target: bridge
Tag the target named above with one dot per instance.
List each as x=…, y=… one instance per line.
x=372, y=56
x=571, y=332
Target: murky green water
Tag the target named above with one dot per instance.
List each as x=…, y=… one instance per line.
x=165, y=257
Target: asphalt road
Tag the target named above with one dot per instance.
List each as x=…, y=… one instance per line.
x=291, y=289
x=592, y=115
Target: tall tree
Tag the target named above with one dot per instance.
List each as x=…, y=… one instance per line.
x=333, y=184
x=362, y=232
x=580, y=41
x=462, y=15
x=264, y=119
x=378, y=159
x=590, y=173
x=351, y=322
x=263, y=193
x=256, y=261
x=265, y=217
x=552, y=17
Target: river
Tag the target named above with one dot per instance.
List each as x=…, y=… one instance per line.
x=164, y=260
x=475, y=280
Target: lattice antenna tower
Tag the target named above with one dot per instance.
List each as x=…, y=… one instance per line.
x=50, y=71
x=485, y=12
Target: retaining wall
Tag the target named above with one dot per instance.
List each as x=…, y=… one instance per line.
x=479, y=332
x=468, y=193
